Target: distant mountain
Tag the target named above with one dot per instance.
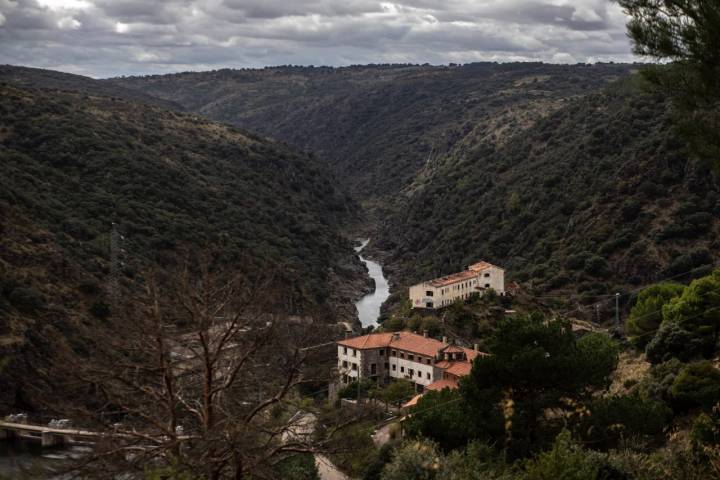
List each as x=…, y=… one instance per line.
x=377, y=126
x=73, y=163
x=598, y=197
x=567, y=175
x=51, y=79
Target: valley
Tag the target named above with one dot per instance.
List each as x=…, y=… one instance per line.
x=573, y=178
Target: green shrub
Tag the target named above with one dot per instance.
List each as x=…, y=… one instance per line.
x=614, y=418
x=697, y=385
x=26, y=299
x=646, y=315
x=566, y=460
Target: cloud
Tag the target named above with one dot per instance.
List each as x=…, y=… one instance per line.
x=118, y=37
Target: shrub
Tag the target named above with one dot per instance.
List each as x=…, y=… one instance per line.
x=618, y=417
x=597, y=266
x=672, y=340
x=100, y=309
x=566, y=460
x=26, y=299
x=415, y=460
x=697, y=385
x=646, y=315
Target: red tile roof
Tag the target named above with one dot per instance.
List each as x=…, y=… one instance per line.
x=407, y=341
x=367, y=342
x=473, y=354
x=454, y=278
x=442, y=384
x=413, y=401
x=459, y=369
x=480, y=266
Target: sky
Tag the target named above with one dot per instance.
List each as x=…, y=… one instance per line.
x=105, y=38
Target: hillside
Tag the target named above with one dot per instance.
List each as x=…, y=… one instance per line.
x=598, y=197
x=377, y=125
x=572, y=179
x=40, y=78
x=71, y=164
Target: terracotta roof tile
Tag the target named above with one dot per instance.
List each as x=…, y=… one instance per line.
x=459, y=369
x=454, y=278
x=366, y=342
x=442, y=384
x=413, y=401
x=480, y=266
x=407, y=341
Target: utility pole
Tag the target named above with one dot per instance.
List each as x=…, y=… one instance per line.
x=617, y=311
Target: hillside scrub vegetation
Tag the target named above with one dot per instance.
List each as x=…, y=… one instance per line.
x=72, y=164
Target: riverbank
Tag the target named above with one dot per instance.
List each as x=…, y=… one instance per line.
x=369, y=306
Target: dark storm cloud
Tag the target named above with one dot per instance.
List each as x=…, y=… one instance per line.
x=115, y=37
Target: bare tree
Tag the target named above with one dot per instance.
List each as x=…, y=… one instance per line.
x=199, y=375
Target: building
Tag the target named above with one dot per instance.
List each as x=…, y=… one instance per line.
x=420, y=359
x=443, y=291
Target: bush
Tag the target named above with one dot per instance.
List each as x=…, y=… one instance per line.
x=415, y=460
x=27, y=299
x=597, y=266
x=566, y=460
x=697, y=385
x=646, y=315
x=100, y=309
x=672, y=340
x=618, y=417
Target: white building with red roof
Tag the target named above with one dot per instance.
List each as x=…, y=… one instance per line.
x=420, y=359
x=443, y=291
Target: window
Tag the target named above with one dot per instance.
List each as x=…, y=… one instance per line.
x=411, y=357
x=354, y=366
x=487, y=285
x=387, y=366
x=394, y=353
x=382, y=352
x=402, y=355
x=428, y=293
x=345, y=350
x=354, y=352
x=419, y=373
x=487, y=275
x=402, y=369
x=373, y=369
x=428, y=361
x=394, y=367
x=428, y=375
x=344, y=364
x=411, y=372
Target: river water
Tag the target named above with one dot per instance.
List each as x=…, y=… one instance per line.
x=368, y=307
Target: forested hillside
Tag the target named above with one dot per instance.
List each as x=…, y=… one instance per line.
x=41, y=78
x=571, y=178
x=72, y=164
x=377, y=125
x=598, y=197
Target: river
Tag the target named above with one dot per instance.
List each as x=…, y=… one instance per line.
x=368, y=307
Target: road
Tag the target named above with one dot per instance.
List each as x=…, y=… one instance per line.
x=303, y=428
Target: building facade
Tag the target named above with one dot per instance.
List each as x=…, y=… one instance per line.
x=401, y=355
x=443, y=291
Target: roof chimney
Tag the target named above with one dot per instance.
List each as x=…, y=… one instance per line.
x=396, y=336
x=425, y=333
x=444, y=340
x=476, y=347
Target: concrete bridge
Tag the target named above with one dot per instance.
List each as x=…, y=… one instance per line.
x=45, y=435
